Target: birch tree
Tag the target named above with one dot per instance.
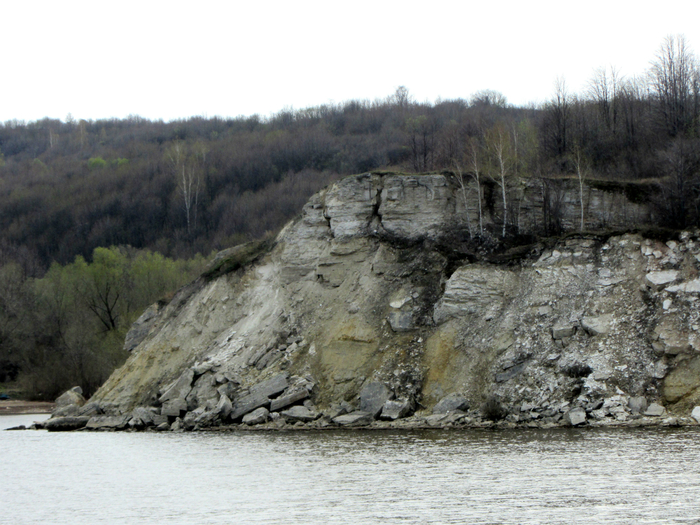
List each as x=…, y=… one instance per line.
x=500, y=149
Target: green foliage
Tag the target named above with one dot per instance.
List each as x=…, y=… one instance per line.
x=67, y=328
x=96, y=163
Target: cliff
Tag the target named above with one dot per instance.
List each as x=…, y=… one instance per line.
x=369, y=308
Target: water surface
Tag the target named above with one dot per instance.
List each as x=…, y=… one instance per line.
x=539, y=476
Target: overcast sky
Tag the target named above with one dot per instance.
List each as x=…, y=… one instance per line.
x=169, y=60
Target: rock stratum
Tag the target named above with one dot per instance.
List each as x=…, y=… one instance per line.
x=367, y=311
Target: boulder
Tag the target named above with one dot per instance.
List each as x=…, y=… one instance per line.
x=356, y=418
x=104, y=422
x=67, y=410
x=450, y=403
x=180, y=388
x=174, y=408
x=372, y=398
x=575, y=416
x=695, y=414
x=141, y=327
x=257, y=416
x=395, y=409
x=300, y=413
x=289, y=399
x=401, y=321
x=655, y=410
x=63, y=424
x=658, y=280
x=70, y=397
x=224, y=408
x=562, y=330
x=637, y=404
x=145, y=414
x=597, y=325
x=271, y=387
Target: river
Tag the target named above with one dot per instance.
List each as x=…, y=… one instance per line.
x=540, y=476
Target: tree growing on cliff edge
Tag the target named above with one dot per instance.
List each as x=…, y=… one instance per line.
x=501, y=154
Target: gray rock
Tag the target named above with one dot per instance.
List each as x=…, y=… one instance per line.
x=300, y=413
x=575, y=416
x=450, y=403
x=655, y=410
x=204, y=391
x=289, y=399
x=63, y=424
x=271, y=387
x=101, y=422
x=224, y=408
x=67, y=410
x=257, y=416
x=141, y=327
x=177, y=425
x=510, y=373
x=159, y=420
x=637, y=404
x=658, y=280
x=162, y=427
x=145, y=414
x=372, y=398
x=174, y=408
x=401, y=321
x=395, y=409
x=437, y=420
x=562, y=330
x=472, y=289
x=180, y=388
x=597, y=325
x=695, y=414
x=190, y=419
x=70, y=397
x=90, y=409
x=354, y=419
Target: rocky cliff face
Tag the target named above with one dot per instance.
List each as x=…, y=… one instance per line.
x=363, y=310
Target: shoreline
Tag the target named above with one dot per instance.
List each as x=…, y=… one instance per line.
x=14, y=407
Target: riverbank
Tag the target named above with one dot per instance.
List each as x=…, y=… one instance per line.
x=13, y=407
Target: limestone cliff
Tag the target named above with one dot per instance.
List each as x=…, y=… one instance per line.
x=366, y=307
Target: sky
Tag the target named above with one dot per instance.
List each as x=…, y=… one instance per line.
x=172, y=60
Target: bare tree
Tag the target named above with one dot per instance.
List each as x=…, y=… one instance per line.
x=675, y=82
x=604, y=89
x=188, y=177
x=580, y=165
x=500, y=149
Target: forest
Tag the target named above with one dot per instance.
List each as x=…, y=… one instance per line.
x=99, y=219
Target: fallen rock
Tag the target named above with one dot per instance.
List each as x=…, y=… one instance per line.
x=655, y=410
x=180, y=388
x=695, y=414
x=224, y=407
x=372, y=398
x=145, y=414
x=637, y=404
x=102, y=422
x=450, y=403
x=289, y=399
x=597, y=325
x=354, y=418
x=257, y=416
x=562, y=330
x=395, y=409
x=64, y=424
x=70, y=397
x=575, y=416
x=174, y=408
x=658, y=280
x=300, y=413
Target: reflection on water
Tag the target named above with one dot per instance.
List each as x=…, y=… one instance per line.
x=555, y=476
